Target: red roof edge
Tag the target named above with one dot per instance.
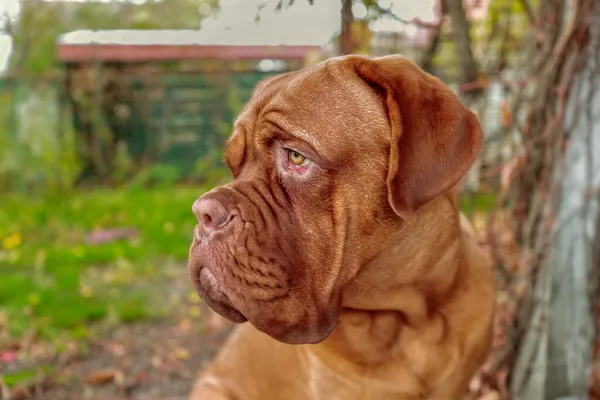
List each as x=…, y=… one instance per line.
x=145, y=53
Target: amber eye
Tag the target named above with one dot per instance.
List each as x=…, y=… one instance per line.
x=296, y=158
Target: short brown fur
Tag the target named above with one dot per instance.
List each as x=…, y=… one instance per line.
x=359, y=278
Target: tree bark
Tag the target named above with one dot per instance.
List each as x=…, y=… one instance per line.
x=467, y=67
x=571, y=319
x=555, y=329
x=346, y=39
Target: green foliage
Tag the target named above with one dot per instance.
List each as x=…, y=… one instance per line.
x=36, y=148
x=211, y=169
x=478, y=202
x=26, y=377
x=55, y=280
x=503, y=30
x=157, y=175
x=123, y=166
x=41, y=22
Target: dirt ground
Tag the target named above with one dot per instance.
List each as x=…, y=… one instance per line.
x=147, y=360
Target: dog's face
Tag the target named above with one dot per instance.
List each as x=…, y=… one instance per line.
x=327, y=162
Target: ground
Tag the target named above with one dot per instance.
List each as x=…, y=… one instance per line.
x=156, y=359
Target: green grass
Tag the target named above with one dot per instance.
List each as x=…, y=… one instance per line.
x=52, y=280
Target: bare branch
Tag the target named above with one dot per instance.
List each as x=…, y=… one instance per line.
x=386, y=12
x=428, y=56
x=7, y=26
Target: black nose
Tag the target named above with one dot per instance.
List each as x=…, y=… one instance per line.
x=211, y=213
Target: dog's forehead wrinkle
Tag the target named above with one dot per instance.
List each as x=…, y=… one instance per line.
x=299, y=132
x=325, y=131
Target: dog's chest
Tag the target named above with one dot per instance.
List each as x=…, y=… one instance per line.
x=326, y=384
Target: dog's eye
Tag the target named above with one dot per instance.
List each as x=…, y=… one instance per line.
x=296, y=158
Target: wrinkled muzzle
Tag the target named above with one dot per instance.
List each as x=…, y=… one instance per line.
x=246, y=263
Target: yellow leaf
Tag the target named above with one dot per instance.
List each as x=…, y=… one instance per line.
x=194, y=298
x=479, y=221
x=182, y=353
x=195, y=311
x=12, y=241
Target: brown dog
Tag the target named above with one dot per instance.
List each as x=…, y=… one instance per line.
x=340, y=240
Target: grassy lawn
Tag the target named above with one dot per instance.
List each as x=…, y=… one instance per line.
x=54, y=279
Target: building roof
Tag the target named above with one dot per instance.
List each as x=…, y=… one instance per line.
x=155, y=45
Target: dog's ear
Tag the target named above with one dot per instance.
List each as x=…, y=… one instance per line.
x=435, y=138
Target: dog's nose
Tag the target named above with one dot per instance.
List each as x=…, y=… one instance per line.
x=211, y=214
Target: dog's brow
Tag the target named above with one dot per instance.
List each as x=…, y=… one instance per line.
x=273, y=117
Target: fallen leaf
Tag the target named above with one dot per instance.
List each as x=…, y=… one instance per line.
x=110, y=235
x=181, y=353
x=13, y=241
x=185, y=325
x=119, y=378
x=117, y=349
x=506, y=114
x=8, y=356
x=20, y=392
x=101, y=376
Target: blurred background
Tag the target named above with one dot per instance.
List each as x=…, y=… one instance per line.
x=113, y=116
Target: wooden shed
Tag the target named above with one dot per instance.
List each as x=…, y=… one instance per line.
x=165, y=95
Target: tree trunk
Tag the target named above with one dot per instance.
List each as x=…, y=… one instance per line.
x=571, y=319
x=467, y=67
x=346, y=38
x=555, y=329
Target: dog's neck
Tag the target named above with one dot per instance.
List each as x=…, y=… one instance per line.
x=423, y=255
x=404, y=285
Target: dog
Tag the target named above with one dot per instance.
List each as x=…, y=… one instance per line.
x=340, y=241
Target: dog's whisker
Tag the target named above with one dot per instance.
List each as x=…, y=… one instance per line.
x=205, y=289
x=292, y=296
x=367, y=286
x=306, y=283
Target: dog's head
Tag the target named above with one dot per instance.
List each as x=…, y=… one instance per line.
x=327, y=162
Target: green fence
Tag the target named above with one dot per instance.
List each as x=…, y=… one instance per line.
x=55, y=134
x=189, y=116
